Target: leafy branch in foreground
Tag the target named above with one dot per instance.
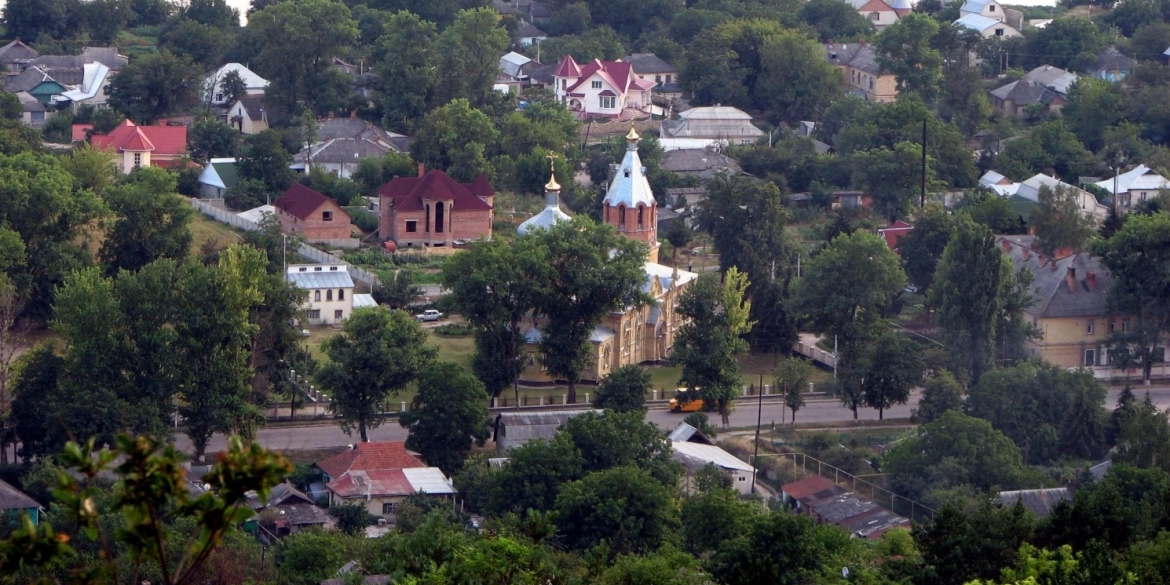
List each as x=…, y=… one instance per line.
x=153, y=488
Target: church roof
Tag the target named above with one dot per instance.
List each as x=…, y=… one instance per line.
x=549, y=216
x=630, y=187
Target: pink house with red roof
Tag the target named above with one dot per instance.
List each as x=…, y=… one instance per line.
x=433, y=209
x=601, y=88
x=140, y=146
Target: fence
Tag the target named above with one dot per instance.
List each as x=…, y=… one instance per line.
x=875, y=493
x=816, y=353
x=229, y=218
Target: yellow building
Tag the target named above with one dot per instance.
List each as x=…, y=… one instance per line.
x=634, y=335
x=1070, y=309
x=861, y=72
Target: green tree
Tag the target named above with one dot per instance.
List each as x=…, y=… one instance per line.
x=842, y=293
x=1049, y=147
x=378, y=354
x=709, y=343
x=953, y=450
x=1028, y=402
x=624, y=506
x=1082, y=432
x=1093, y=106
x=962, y=544
x=152, y=487
x=778, y=547
x=400, y=292
x=614, y=439
x=1134, y=257
x=904, y=49
x=965, y=295
x=233, y=86
x=666, y=566
x=201, y=43
x=986, y=207
x=404, y=62
x=1144, y=438
x=747, y=222
x=298, y=41
x=209, y=138
x=589, y=272
x=792, y=376
x=894, y=369
x=533, y=476
x=263, y=159
x=624, y=390
x=92, y=168
x=1070, y=43
x=455, y=137
x=893, y=177
x=963, y=100
x=153, y=86
x=468, y=56
x=494, y=285
x=152, y=222
x=272, y=240
x=1059, y=221
x=923, y=247
x=941, y=393
x=446, y=416
x=352, y=519
x=833, y=21
x=372, y=173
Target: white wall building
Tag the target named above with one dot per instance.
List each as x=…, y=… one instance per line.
x=331, y=298
x=213, y=83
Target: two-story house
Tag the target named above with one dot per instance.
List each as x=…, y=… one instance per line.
x=213, y=91
x=433, y=209
x=987, y=27
x=318, y=218
x=882, y=13
x=1134, y=186
x=861, y=72
x=329, y=292
x=600, y=88
x=650, y=68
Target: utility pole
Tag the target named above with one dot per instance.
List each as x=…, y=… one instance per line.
x=759, y=416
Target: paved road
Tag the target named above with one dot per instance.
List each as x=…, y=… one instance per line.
x=744, y=415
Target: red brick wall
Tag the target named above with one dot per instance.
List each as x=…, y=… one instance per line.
x=315, y=228
x=464, y=225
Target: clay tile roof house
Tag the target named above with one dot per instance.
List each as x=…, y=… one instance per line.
x=302, y=210
x=381, y=475
x=433, y=209
x=601, y=88
x=140, y=146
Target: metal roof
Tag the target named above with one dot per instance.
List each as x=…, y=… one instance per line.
x=363, y=301
x=1039, y=501
x=1140, y=178
x=429, y=480
x=630, y=187
x=314, y=276
x=977, y=22
x=548, y=217
x=709, y=454
x=256, y=213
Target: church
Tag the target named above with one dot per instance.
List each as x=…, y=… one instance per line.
x=634, y=335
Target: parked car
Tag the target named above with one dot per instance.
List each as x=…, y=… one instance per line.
x=429, y=315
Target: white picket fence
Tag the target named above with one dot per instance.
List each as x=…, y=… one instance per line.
x=226, y=217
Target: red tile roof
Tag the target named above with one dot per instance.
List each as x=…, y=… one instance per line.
x=370, y=456
x=79, y=131
x=300, y=201
x=618, y=74
x=163, y=140
x=409, y=192
x=568, y=68
x=379, y=482
x=807, y=486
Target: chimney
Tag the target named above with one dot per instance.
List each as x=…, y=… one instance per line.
x=353, y=114
x=1070, y=279
x=1027, y=253
x=1006, y=245
x=422, y=169
x=1091, y=279
x=1042, y=260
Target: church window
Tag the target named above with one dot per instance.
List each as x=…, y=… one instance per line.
x=622, y=216
x=641, y=216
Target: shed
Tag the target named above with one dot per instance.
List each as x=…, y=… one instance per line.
x=15, y=502
x=516, y=428
x=695, y=456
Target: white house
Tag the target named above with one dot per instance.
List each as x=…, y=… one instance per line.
x=708, y=126
x=1134, y=186
x=985, y=8
x=330, y=292
x=694, y=456
x=988, y=27
x=248, y=116
x=213, y=83
x=527, y=34
x=880, y=12
x=600, y=88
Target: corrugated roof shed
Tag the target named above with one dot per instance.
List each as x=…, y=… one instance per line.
x=516, y=428
x=1039, y=501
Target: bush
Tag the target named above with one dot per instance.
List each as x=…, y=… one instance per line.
x=366, y=221
x=454, y=330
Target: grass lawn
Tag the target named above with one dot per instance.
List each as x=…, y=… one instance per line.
x=204, y=228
